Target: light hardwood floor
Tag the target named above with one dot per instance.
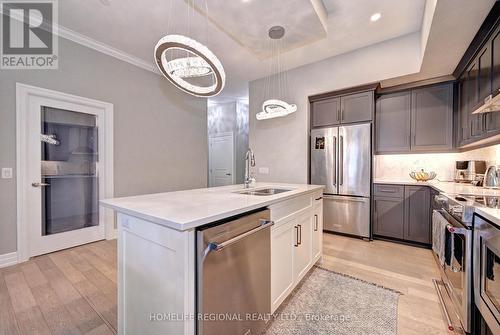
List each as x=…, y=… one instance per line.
x=407, y=269
x=74, y=291
x=68, y=292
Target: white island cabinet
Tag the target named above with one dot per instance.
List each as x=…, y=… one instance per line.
x=157, y=251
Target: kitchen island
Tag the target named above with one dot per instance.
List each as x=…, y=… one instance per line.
x=157, y=248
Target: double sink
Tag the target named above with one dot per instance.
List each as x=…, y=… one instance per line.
x=264, y=191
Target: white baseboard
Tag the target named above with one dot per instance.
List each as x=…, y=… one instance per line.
x=8, y=259
x=113, y=234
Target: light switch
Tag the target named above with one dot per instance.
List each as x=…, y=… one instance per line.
x=6, y=173
x=264, y=170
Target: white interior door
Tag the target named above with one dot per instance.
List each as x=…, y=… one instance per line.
x=221, y=160
x=65, y=147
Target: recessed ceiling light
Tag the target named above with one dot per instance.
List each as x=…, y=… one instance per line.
x=375, y=17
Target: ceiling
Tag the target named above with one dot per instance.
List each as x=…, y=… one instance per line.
x=236, y=30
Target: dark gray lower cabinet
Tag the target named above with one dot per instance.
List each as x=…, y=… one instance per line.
x=405, y=217
x=388, y=217
x=417, y=214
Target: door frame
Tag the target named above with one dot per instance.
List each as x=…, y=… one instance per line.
x=214, y=136
x=23, y=94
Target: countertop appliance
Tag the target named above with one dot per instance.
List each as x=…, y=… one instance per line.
x=341, y=160
x=487, y=272
x=234, y=275
x=471, y=171
x=455, y=286
x=492, y=178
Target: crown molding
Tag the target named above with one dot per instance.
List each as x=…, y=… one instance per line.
x=105, y=49
x=88, y=42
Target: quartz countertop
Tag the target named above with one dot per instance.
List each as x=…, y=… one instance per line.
x=452, y=188
x=185, y=210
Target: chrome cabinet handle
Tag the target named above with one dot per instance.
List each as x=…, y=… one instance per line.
x=296, y=236
x=40, y=184
x=218, y=247
x=300, y=234
x=387, y=190
x=317, y=199
x=315, y=222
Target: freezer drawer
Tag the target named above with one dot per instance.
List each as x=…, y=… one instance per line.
x=348, y=215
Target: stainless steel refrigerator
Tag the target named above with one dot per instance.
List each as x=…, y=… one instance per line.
x=341, y=160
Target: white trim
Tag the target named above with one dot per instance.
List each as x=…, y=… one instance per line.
x=8, y=259
x=106, y=49
x=233, y=172
x=91, y=43
x=23, y=92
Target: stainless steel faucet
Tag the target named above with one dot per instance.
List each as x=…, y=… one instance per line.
x=249, y=162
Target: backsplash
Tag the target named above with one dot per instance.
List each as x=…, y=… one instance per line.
x=397, y=167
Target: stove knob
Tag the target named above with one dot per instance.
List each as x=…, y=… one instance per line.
x=456, y=210
x=440, y=199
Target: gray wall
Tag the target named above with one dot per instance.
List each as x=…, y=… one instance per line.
x=231, y=117
x=281, y=144
x=160, y=133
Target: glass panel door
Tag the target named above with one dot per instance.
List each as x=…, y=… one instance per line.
x=492, y=277
x=69, y=156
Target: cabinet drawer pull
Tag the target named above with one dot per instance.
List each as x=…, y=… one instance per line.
x=315, y=222
x=300, y=234
x=387, y=190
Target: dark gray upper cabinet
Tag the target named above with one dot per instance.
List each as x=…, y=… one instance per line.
x=388, y=218
x=357, y=107
x=484, y=73
x=342, y=109
x=432, y=118
x=415, y=120
x=392, y=122
x=463, y=112
x=495, y=50
x=479, y=79
x=417, y=212
x=325, y=112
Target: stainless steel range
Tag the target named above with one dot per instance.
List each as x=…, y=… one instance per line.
x=454, y=257
x=487, y=270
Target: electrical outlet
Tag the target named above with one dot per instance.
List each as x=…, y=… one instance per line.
x=6, y=173
x=264, y=170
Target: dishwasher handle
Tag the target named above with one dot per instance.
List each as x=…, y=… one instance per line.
x=264, y=224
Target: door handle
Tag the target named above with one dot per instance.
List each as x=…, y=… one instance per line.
x=264, y=224
x=341, y=160
x=315, y=222
x=335, y=160
x=40, y=184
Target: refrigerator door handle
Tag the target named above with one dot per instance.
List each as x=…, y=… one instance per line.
x=341, y=160
x=334, y=160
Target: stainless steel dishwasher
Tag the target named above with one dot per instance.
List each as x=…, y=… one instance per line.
x=234, y=275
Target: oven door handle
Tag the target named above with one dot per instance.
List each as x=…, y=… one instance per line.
x=264, y=224
x=455, y=230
